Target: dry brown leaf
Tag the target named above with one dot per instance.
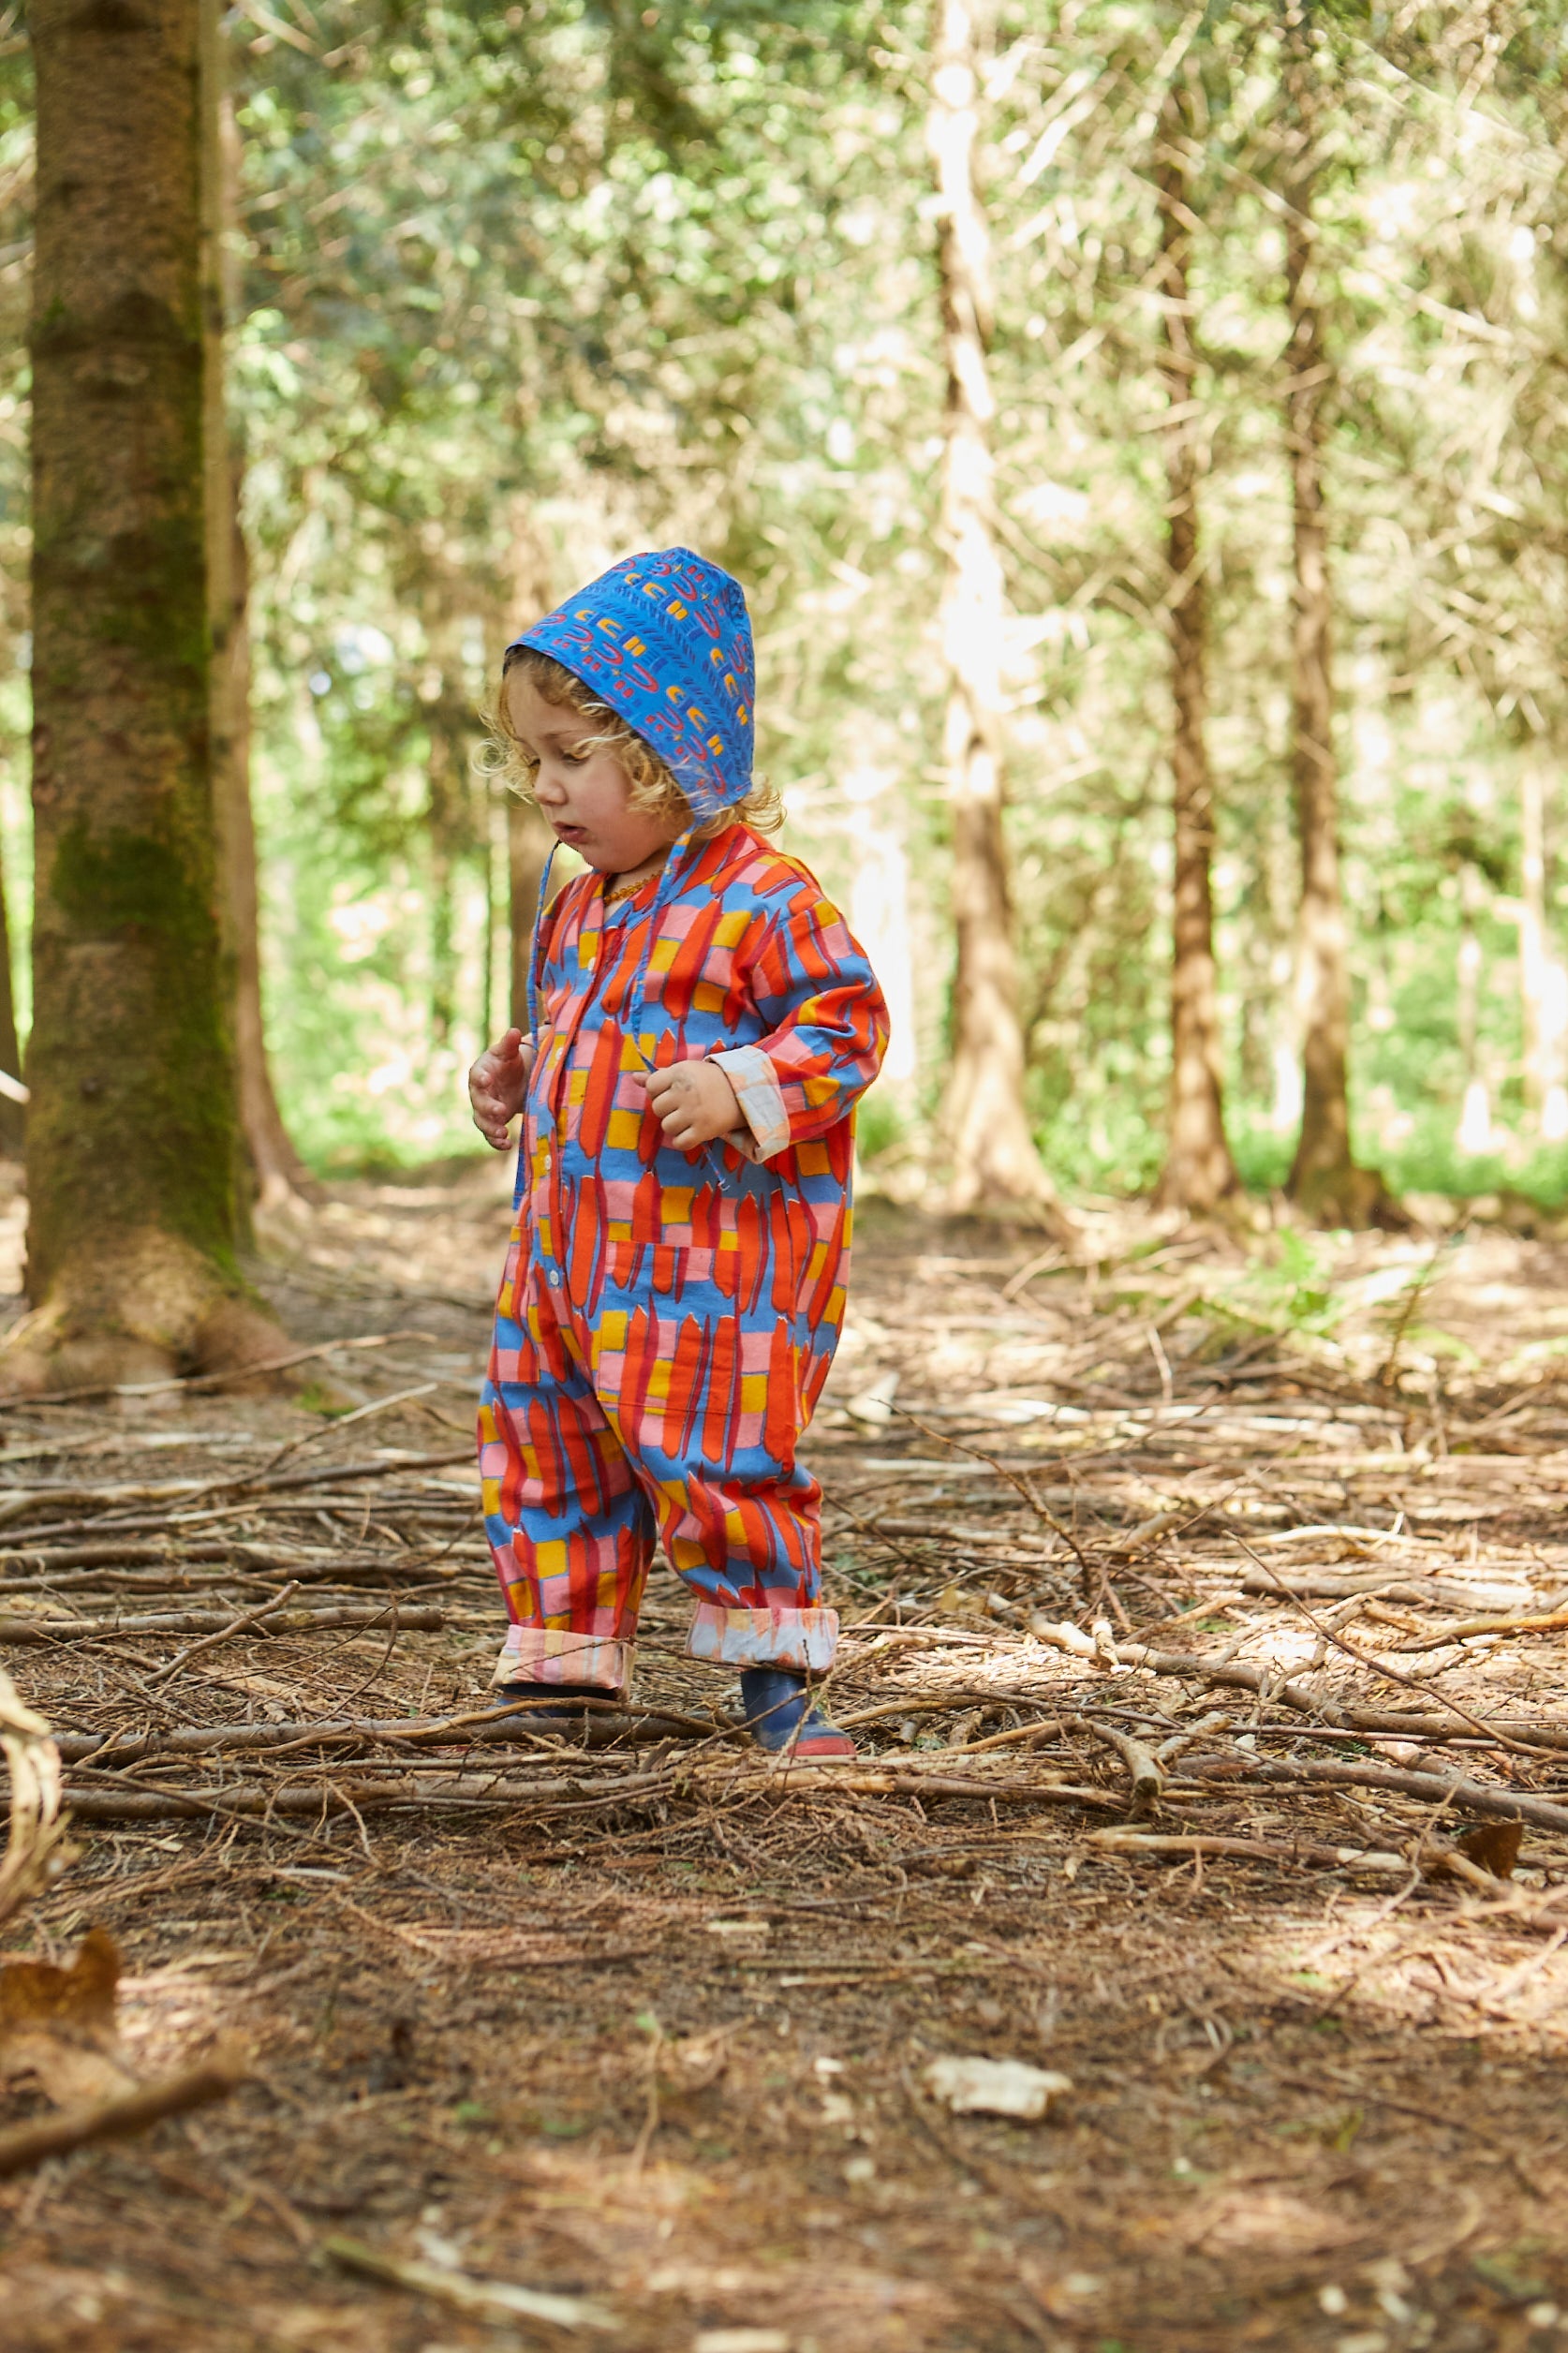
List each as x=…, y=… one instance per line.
x=1245, y=2217
x=59, y=2024
x=1495, y=1845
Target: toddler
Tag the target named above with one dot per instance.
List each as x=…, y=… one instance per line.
x=702, y=1025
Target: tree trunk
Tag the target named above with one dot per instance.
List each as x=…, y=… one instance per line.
x=130, y=1149
x=445, y=816
x=1198, y=1173
x=12, y=1120
x=1543, y=983
x=1474, y=1133
x=528, y=840
x=1323, y=1181
x=993, y=1155
x=274, y=1169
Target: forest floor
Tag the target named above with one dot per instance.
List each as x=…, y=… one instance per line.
x=1189, y=1645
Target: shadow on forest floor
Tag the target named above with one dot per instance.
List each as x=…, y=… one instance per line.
x=651, y=2026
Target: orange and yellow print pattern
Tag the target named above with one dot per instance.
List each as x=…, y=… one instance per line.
x=666, y=1320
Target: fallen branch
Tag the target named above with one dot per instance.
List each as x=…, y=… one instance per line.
x=108, y=1750
x=113, y=2120
x=1458, y=1629
x=1384, y=1587
x=567, y=1792
x=192, y=1382
x=1118, y=1841
x=1149, y=1782
x=115, y=1556
x=17, y=1631
x=241, y=1494
x=960, y=1533
x=826, y=1779
x=320, y=1798
x=1327, y=1633
x=1475, y=1797
x=1338, y=1716
x=470, y=2295
x=235, y=1625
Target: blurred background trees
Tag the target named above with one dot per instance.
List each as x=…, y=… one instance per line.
x=1250, y=343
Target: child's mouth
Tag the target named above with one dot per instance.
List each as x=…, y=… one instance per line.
x=569, y=833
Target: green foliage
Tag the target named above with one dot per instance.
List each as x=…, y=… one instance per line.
x=526, y=286
x=1295, y=1293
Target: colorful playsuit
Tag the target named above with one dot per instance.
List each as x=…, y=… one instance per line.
x=666, y=1319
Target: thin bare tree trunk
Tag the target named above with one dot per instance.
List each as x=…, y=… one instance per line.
x=993, y=1155
x=444, y=783
x=1474, y=1133
x=1323, y=1179
x=1543, y=985
x=276, y=1171
x=528, y=839
x=528, y=836
x=131, y=1128
x=1198, y=1173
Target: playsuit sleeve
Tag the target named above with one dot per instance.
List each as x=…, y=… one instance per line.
x=813, y=983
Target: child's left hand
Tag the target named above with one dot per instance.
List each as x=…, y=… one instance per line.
x=693, y=1102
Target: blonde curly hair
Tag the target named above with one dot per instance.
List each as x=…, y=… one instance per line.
x=654, y=789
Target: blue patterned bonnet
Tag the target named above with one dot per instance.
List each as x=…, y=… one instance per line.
x=665, y=639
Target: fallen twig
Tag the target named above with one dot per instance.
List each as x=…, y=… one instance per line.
x=1149, y=1782
x=1123, y=1841
x=1335, y=1714
x=18, y=1631
x=193, y=1382
x=111, y=1750
x=1390, y=1585
x=470, y=2295
x=1475, y=1797
x=1017, y=1481
x=113, y=2120
x=569, y=1791
x=1390, y=1674
x=235, y=1625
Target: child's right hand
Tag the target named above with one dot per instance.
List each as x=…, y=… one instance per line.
x=498, y=1083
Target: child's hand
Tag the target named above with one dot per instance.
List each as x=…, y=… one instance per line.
x=497, y=1084
x=694, y=1101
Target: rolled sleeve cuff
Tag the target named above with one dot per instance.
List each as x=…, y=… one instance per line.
x=803, y=1639
x=752, y=1073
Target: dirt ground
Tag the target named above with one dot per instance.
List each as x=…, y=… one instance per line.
x=654, y=2030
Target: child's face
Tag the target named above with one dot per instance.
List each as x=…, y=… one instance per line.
x=585, y=792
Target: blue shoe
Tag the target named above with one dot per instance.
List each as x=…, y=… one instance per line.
x=778, y=1710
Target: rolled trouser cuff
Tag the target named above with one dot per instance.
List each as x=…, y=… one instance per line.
x=803, y=1638
x=549, y=1654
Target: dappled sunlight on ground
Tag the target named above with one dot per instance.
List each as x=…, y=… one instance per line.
x=664, y=2046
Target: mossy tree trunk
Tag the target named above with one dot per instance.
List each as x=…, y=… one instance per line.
x=1198, y=1173
x=994, y=1156
x=131, y=1133
x=273, y=1171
